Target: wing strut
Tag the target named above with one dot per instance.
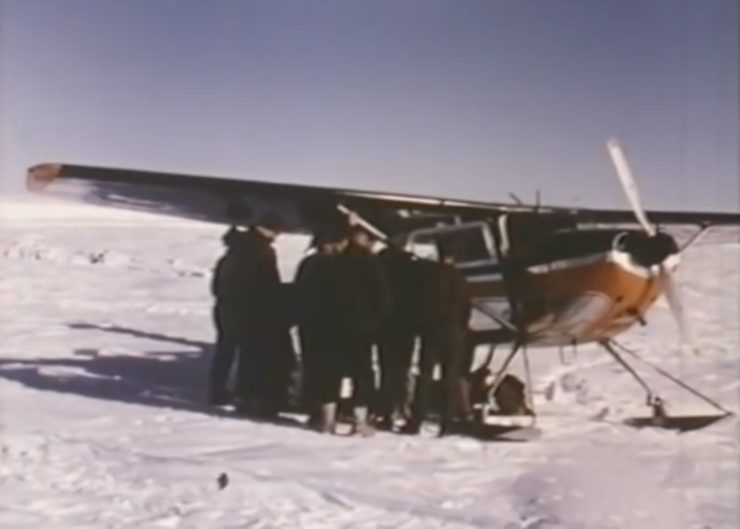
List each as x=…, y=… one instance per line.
x=356, y=219
x=703, y=228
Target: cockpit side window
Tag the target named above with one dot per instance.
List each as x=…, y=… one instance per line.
x=464, y=246
x=466, y=243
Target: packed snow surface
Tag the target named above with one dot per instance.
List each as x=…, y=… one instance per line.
x=105, y=340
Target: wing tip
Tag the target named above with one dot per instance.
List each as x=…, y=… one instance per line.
x=41, y=175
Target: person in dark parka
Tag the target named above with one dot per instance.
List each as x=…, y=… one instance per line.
x=317, y=309
x=445, y=313
x=365, y=298
x=342, y=298
x=227, y=313
x=398, y=337
x=249, y=307
x=267, y=346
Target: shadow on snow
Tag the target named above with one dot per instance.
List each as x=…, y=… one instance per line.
x=176, y=380
x=167, y=379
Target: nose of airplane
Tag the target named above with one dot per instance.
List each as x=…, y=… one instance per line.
x=649, y=250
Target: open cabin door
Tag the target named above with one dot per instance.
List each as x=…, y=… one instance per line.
x=474, y=248
x=519, y=234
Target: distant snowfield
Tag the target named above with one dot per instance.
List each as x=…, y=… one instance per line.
x=105, y=340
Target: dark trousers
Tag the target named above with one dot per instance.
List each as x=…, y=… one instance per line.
x=442, y=345
x=329, y=358
x=225, y=353
x=395, y=352
x=313, y=349
x=265, y=364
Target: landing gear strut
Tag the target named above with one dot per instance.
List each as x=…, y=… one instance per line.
x=660, y=417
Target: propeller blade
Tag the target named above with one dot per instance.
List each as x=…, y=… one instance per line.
x=673, y=296
x=628, y=184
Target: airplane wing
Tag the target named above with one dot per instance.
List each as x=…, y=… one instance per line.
x=299, y=208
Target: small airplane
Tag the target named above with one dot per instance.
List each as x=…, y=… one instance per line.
x=539, y=275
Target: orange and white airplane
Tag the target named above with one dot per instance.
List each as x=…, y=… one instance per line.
x=539, y=275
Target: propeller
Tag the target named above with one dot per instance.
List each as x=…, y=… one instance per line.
x=671, y=288
x=628, y=184
x=672, y=293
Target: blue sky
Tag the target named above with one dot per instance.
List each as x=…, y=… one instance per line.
x=468, y=99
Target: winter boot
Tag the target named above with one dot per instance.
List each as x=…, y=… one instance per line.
x=327, y=422
x=412, y=427
x=362, y=426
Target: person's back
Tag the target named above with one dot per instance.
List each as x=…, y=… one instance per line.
x=317, y=292
x=400, y=328
x=267, y=355
x=364, y=292
x=402, y=271
x=260, y=284
x=363, y=302
x=445, y=297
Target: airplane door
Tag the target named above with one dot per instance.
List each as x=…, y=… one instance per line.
x=473, y=248
x=470, y=243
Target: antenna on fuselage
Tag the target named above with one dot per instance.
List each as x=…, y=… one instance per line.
x=516, y=199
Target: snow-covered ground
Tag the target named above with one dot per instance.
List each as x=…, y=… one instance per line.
x=105, y=338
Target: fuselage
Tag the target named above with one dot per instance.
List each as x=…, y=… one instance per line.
x=562, y=287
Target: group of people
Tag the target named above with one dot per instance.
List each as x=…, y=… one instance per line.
x=346, y=302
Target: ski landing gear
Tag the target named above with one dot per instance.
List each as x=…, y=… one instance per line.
x=659, y=418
